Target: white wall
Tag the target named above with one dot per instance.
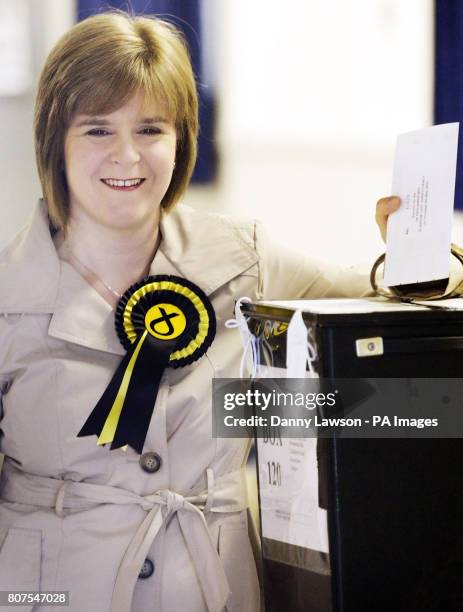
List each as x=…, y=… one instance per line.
x=312, y=95
x=46, y=21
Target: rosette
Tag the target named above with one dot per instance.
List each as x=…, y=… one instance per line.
x=162, y=321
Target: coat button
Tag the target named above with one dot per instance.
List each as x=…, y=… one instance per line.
x=147, y=569
x=150, y=462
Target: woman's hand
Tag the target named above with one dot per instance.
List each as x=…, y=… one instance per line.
x=384, y=208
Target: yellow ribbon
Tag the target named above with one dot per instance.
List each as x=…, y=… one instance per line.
x=109, y=428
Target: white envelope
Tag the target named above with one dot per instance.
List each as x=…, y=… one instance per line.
x=419, y=233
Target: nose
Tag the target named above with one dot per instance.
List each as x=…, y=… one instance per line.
x=125, y=151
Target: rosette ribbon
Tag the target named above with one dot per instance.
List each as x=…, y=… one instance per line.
x=162, y=321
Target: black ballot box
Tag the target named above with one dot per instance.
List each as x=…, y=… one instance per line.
x=393, y=506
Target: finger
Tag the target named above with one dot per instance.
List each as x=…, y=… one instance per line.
x=385, y=207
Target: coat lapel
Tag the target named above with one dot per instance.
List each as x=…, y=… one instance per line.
x=82, y=316
x=206, y=249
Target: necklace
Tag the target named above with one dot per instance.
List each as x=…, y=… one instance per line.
x=73, y=259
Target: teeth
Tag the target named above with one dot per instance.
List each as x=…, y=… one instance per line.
x=127, y=183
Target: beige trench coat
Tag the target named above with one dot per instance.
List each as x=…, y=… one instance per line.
x=76, y=516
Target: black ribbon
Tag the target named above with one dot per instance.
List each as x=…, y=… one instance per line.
x=140, y=398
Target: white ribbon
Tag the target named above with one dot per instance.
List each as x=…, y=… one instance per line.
x=251, y=350
x=300, y=353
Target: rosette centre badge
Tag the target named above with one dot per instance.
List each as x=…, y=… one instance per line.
x=162, y=321
x=165, y=321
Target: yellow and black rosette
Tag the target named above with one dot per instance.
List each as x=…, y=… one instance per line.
x=162, y=321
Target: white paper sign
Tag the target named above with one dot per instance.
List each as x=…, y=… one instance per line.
x=288, y=486
x=419, y=233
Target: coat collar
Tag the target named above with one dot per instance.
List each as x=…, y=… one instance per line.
x=208, y=249
x=204, y=248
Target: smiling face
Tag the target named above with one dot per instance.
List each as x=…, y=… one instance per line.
x=119, y=165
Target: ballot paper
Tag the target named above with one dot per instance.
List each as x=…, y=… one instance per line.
x=419, y=233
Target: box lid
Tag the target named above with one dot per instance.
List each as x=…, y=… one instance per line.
x=374, y=310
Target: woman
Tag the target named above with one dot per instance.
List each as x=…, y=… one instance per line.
x=164, y=529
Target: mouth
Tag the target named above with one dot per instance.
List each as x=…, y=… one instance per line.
x=123, y=184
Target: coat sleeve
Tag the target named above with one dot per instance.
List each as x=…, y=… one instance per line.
x=286, y=274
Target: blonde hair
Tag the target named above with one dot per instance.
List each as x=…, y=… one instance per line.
x=96, y=68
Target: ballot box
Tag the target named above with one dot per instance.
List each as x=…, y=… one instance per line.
x=385, y=531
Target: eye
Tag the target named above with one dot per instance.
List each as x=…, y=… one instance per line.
x=151, y=131
x=97, y=132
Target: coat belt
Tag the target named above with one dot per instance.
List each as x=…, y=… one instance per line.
x=225, y=493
